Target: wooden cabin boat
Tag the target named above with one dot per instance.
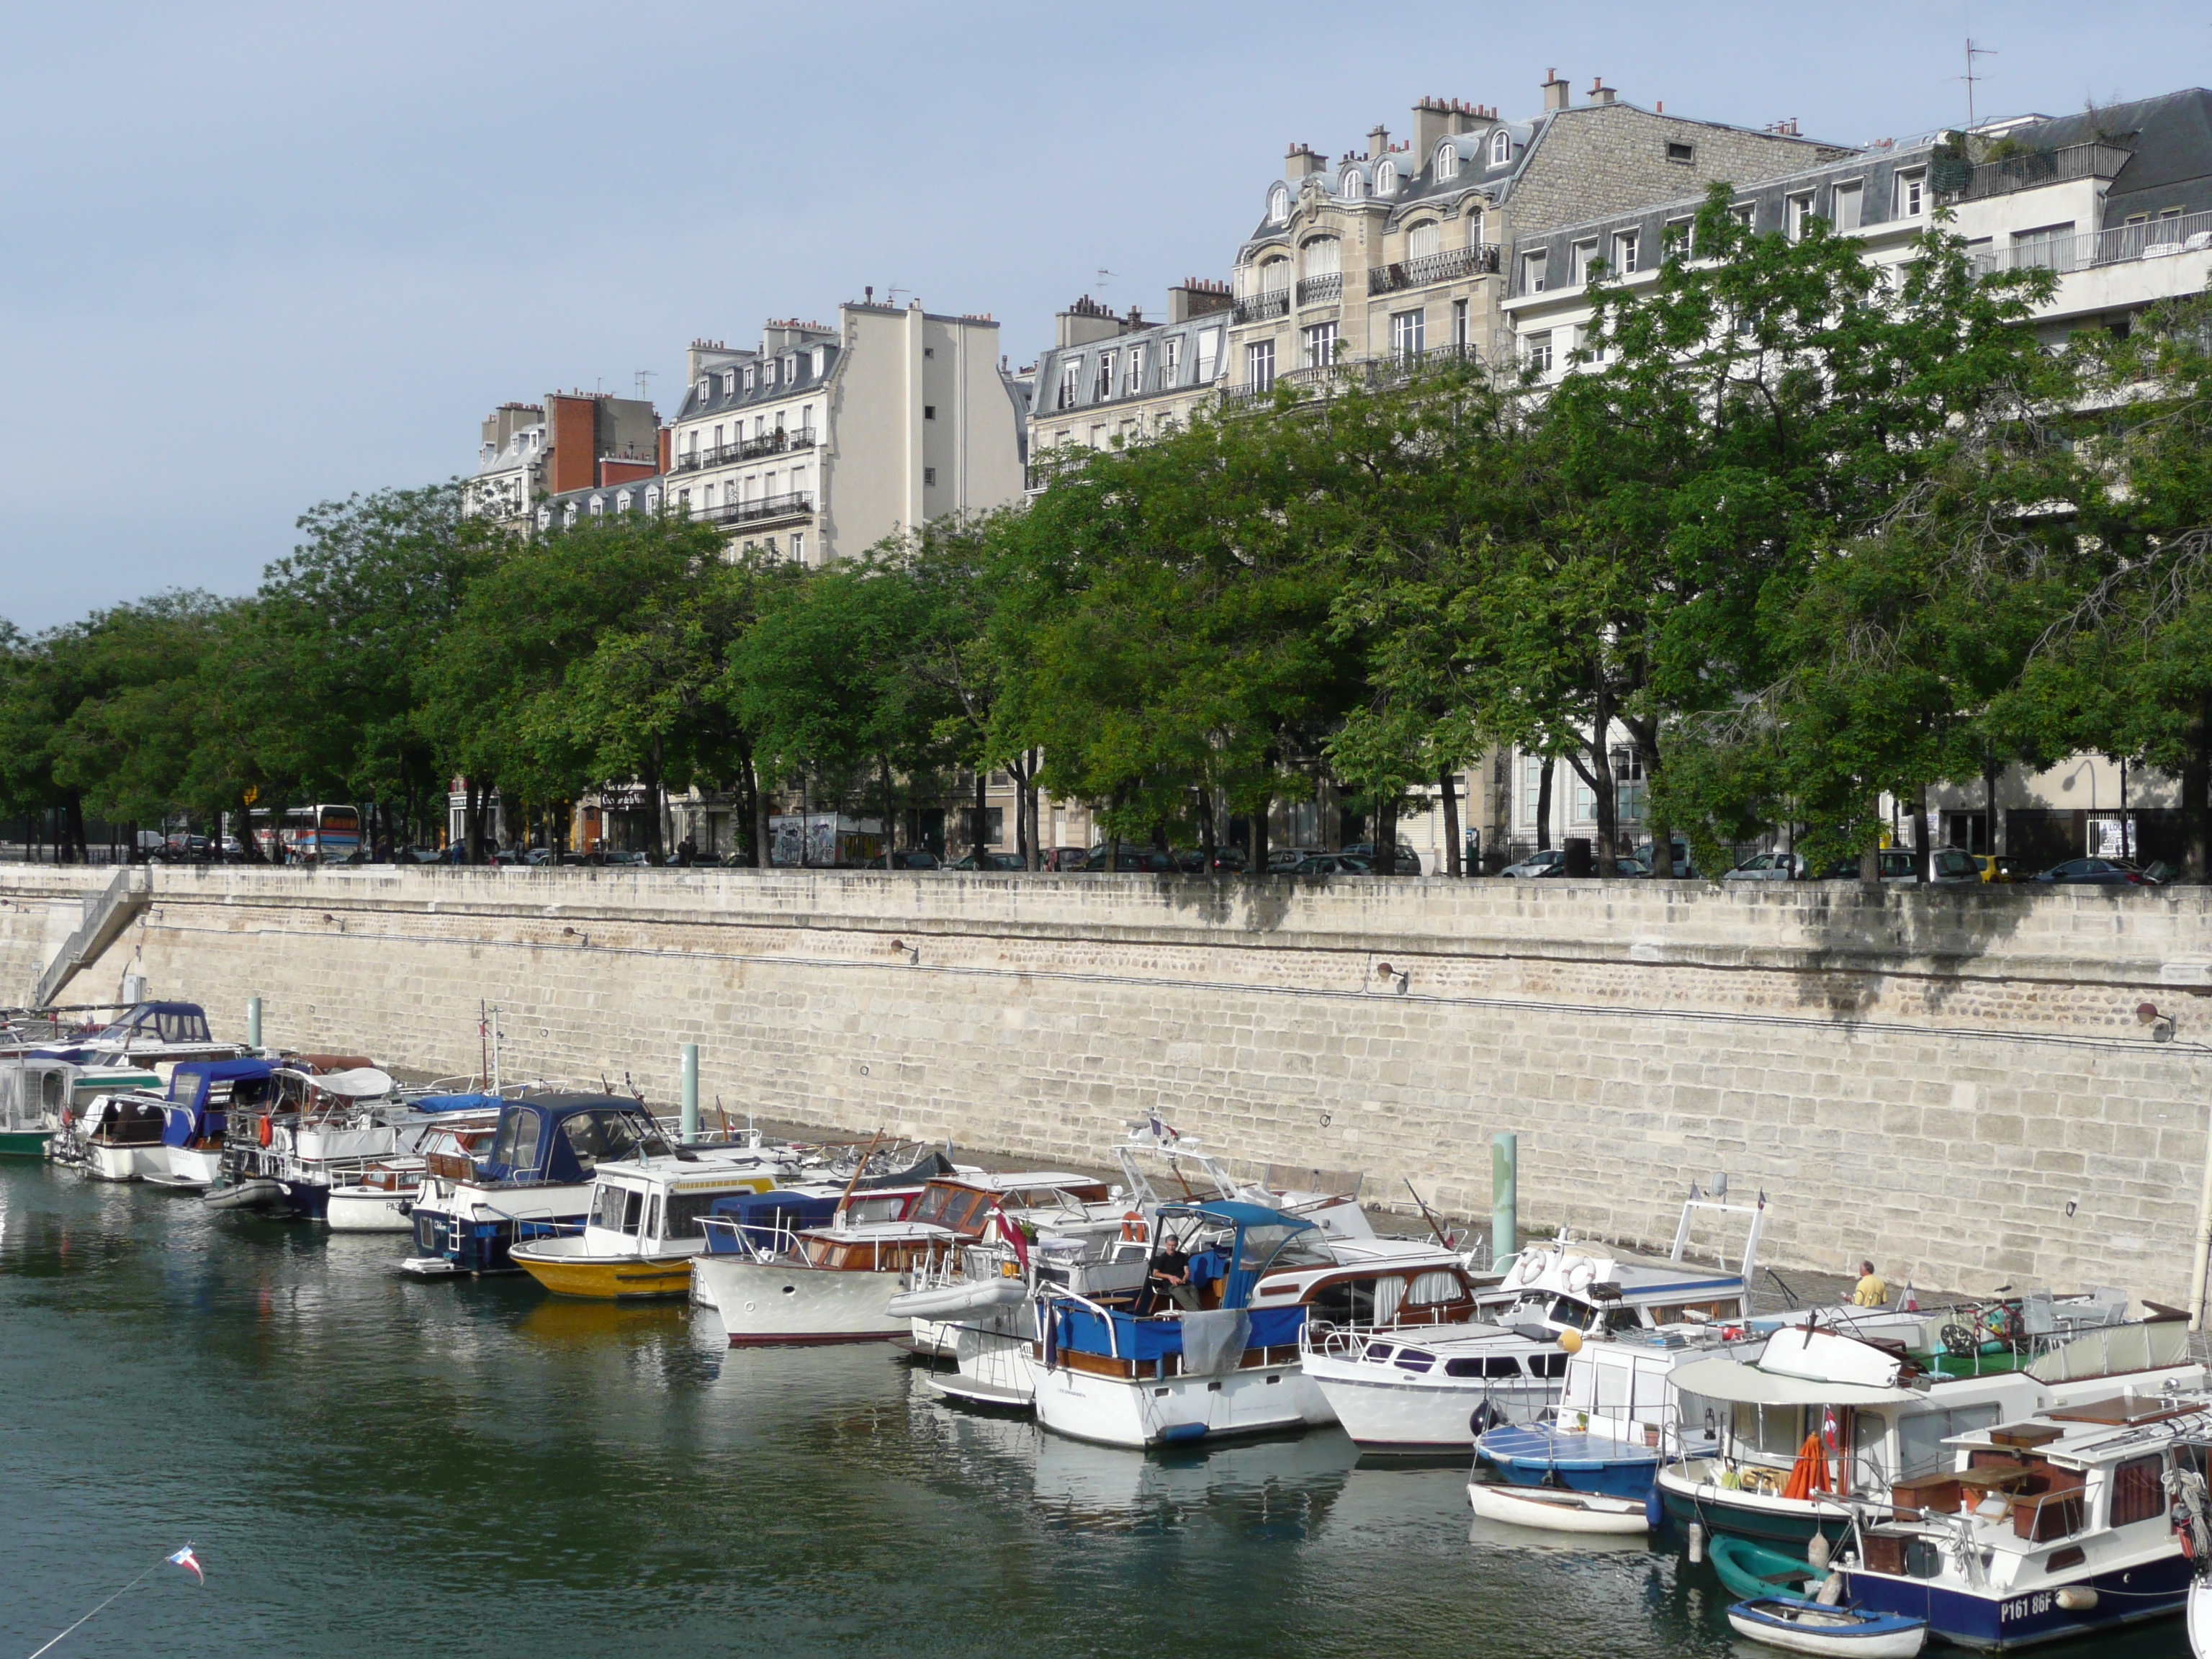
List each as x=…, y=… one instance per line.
x=2056, y=1528
x=380, y=1199
x=1879, y=1414
x=835, y=1284
x=641, y=1230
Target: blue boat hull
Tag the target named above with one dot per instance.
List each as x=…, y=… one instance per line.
x=2126, y=1595
x=482, y=1246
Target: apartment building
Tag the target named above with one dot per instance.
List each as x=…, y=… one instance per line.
x=823, y=441
x=571, y=440
x=1113, y=379
x=2117, y=201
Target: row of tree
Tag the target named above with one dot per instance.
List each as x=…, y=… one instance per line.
x=1809, y=532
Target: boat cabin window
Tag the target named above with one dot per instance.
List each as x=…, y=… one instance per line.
x=1921, y=1435
x=1769, y=1431
x=516, y=1143
x=1438, y=1284
x=867, y=1211
x=1346, y=1302
x=607, y=1211
x=1613, y=1385
x=1578, y=1316
x=1698, y=1415
x=652, y=1217
x=1494, y=1365
x=50, y=1090
x=1547, y=1364
x=1388, y=1292
x=961, y=1209
x=683, y=1212
x=176, y=1026
x=2138, y=1490
x=1413, y=1359
x=1285, y=1247
x=609, y=1134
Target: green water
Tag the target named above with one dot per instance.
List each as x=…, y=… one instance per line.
x=369, y=1466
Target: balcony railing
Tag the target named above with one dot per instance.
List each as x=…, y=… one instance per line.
x=2033, y=169
x=793, y=504
x=2154, y=240
x=1318, y=290
x=1432, y=268
x=778, y=442
x=1382, y=369
x=1274, y=302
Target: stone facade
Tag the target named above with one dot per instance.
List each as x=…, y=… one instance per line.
x=1953, y=1083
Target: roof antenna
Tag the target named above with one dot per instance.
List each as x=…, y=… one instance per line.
x=644, y=384
x=1970, y=77
x=1104, y=275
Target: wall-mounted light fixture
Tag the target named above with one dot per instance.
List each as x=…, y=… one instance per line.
x=2161, y=1025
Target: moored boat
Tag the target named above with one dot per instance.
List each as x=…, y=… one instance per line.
x=1555, y=1510
x=1808, y=1627
x=641, y=1230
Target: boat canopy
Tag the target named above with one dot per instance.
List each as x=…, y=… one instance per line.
x=562, y=1138
x=191, y=1085
x=164, y=1022
x=1262, y=1234
x=1235, y=1212
x=1747, y=1385
x=464, y=1102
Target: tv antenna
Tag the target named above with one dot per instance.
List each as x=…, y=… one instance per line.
x=1104, y=276
x=1970, y=77
x=644, y=384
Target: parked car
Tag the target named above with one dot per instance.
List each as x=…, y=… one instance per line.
x=1330, y=863
x=1230, y=860
x=1064, y=858
x=1280, y=858
x=1546, y=861
x=1628, y=865
x=1409, y=861
x=1684, y=867
x=915, y=858
x=1129, y=860
x=989, y=861
x=2001, y=866
x=2099, y=873
x=419, y=855
x=1769, y=866
x=1952, y=868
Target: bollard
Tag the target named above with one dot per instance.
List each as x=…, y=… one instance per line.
x=690, y=1123
x=1504, y=1196
x=253, y=1023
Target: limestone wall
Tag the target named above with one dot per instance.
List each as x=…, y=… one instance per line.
x=1955, y=1083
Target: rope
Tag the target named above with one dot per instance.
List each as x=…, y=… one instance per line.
x=132, y=1585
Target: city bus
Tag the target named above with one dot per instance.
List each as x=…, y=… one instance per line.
x=324, y=834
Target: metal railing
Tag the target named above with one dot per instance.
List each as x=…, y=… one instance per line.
x=1274, y=302
x=1314, y=291
x=2152, y=239
x=1382, y=369
x=1432, y=268
x=2033, y=169
x=778, y=442
x=792, y=504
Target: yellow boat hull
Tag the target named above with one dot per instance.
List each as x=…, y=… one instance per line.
x=607, y=1278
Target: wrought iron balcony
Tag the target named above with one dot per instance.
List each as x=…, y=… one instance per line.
x=2152, y=239
x=1274, y=302
x=1318, y=290
x=2028, y=170
x=778, y=442
x=793, y=504
x=1432, y=268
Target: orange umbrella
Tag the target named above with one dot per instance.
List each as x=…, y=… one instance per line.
x=1810, y=1472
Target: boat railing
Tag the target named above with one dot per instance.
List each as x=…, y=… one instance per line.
x=1105, y=1315
x=760, y=1241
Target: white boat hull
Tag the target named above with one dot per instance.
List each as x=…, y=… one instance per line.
x=1839, y=1639
x=368, y=1210
x=1384, y=1414
x=2199, y=1615
x=1143, y=1412
x=1582, y=1512
x=774, y=1303
x=125, y=1163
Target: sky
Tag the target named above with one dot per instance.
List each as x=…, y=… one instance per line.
x=260, y=257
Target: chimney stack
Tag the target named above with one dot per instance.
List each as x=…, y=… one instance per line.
x=1301, y=163
x=1196, y=297
x=1378, y=143
x=1599, y=93
x=1432, y=125
x=1557, y=93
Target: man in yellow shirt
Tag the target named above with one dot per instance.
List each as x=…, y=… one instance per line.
x=1873, y=1290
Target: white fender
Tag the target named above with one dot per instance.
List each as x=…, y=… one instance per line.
x=949, y=1301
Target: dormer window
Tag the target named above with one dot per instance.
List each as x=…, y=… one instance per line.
x=599, y=506
x=1447, y=161
x=1278, y=204
x=621, y=501
x=1501, y=148
x=544, y=517
x=1352, y=187
x=790, y=368
x=706, y=390
x=1386, y=179
x=821, y=359
x=653, y=499
x=768, y=373
x=749, y=380
x=730, y=384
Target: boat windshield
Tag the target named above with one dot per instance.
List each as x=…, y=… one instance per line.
x=610, y=1134
x=1280, y=1247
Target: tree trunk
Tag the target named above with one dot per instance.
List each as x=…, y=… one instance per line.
x=75, y=823
x=982, y=803
x=1260, y=851
x=1386, y=836
x=1018, y=771
x=1448, y=787
x=890, y=809
x=1922, y=866
x=1544, y=806
x=1031, y=760
x=1206, y=827
x=248, y=848
x=1992, y=841
x=2197, y=797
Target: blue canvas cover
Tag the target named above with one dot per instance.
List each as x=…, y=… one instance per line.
x=756, y=1216
x=538, y=1139
x=463, y=1103
x=188, y=1116
x=1085, y=1331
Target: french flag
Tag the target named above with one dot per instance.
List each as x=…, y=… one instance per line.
x=185, y=1558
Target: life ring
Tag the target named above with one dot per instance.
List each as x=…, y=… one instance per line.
x=1531, y=1268
x=1582, y=1276
x=1133, y=1226
x=263, y=1133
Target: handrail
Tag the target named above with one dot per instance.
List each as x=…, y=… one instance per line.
x=121, y=891
x=2153, y=238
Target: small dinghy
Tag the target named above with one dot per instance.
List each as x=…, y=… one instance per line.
x=255, y=1193
x=1809, y=1627
x=1758, y=1572
x=1554, y=1509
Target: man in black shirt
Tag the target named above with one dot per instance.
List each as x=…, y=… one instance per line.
x=1170, y=1278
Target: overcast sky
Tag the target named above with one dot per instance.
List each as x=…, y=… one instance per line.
x=257, y=257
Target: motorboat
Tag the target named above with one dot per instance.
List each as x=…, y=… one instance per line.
x=326, y=1118
x=1824, y=1416
x=380, y=1198
x=2056, y=1527
x=147, y=1035
x=1128, y=1371
x=43, y=1098
x=834, y=1283
x=1555, y=1510
x=196, y=1115
x=641, y=1229
x=537, y=1178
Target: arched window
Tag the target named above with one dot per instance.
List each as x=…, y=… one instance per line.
x=1274, y=274
x=1447, y=161
x=1501, y=148
x=1386, y=179
x=1352, y=187
x=1278, y=204
x=1324, y=257
x=1422, y=239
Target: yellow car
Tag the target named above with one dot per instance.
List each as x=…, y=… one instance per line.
x=2000, y=867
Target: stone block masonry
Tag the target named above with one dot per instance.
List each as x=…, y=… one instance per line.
x=1953, y=1083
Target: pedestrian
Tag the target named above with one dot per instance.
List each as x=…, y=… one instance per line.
x=1873, y=1290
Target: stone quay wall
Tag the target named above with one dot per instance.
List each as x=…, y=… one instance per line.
x=1955, y=1083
